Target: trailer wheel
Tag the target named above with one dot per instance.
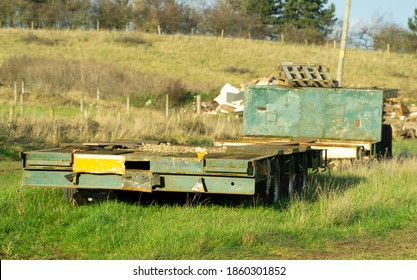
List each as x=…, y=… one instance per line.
x=273, y=181
x=386, y=141
x=300, y=180
x=69, y=194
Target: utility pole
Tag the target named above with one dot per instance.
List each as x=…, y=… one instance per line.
x=343, y=43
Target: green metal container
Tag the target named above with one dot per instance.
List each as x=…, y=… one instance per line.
x=317, y=113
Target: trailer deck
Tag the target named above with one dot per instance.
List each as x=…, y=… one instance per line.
x=269, y=170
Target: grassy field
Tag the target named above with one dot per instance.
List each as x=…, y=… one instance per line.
x=360, y=212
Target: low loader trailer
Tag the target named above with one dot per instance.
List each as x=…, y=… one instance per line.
x=289, y=128
x=268, y=170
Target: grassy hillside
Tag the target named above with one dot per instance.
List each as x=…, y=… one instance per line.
x=203, y=64
x=59, y=68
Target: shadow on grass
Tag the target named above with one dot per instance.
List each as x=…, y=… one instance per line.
x=321, y=185
x=327, y=185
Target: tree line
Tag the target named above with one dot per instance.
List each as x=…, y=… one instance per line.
x=258, y=19
x=295, y=20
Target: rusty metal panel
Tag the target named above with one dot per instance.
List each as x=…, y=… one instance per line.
x=186, y=164
x=140, y=181
x=319, y=113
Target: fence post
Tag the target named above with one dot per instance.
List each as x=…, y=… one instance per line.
x=222, y=34
x=127, y=105
x=82, y=106
x=54, y=127
x=15, y=94
x=98, y=102
x=282, y=38
x=166, y=106
x=198, y=104
x=21, y=99
x=159, y=30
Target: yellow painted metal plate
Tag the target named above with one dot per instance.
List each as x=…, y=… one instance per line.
x=101, y=164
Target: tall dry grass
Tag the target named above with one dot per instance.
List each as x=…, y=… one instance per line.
x=139, y=124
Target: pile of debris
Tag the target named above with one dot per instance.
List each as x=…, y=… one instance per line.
x=402, y=118
x=289, y=75
x=230, y=99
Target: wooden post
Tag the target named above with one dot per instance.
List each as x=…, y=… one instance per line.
x=222, y=34
x=343, y=43
x=15, y=94
x=192, y=31
x=282, y=38
x=166, y=106
x=249, y=35
x=306, y=42
x=127, y=105
x=54, y=127
x=159, y=30
x=21, y=99
x=98, y=25
x=82, y=106
x=388, y=48
x=32, y=25
x=198, y=104
x=98, y=102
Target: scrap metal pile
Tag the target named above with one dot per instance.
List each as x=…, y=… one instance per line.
x=402, y=118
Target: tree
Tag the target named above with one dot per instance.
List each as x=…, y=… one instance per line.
x=77, y=13
x=112, y=13
x=308, y=18
x=412, y=23
x=171, y=16
x=9, y=12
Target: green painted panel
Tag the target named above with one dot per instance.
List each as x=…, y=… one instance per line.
x=212, y=184
x=46, y=178
x=321, y=113
x=42, y=178
x=99, y=181
x=227, y=165
x=55, y=157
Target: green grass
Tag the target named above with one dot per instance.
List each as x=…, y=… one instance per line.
x=364, y=211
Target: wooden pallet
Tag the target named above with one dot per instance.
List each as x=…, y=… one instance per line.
x=305, y=75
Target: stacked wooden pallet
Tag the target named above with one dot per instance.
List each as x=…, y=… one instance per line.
x=304, y=75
